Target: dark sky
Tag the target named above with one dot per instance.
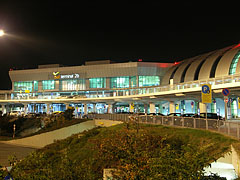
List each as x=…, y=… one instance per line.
x=45, y=32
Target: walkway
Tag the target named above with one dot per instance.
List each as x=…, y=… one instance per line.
x=7, y=150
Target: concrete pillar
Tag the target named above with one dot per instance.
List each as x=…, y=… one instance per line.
x=110, y=108
x=202, y=107
x=25, y=108
x=137, y=81
x=108, y=82
x=82, y=109
x=87, y=83
x=4, y=110
x=145, y=108
x=94, y=108
x=171, y=107
x=57, y=85
x=48, y=108
x=66, y=106
x=152, y=107
x=85, y=108
x=39, y=85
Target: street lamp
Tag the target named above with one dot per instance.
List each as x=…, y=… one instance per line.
x=1, y=32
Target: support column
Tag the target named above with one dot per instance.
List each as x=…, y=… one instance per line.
x=202, y=107
x=25, y=108
x=85, y=108
x=171, y=107
x=145, y=108
x=48, y=108
x=152, y=107
x=66, y=106
x=110, y=109
x=94, y=108
x=4, y=110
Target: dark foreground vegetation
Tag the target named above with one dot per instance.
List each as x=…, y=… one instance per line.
x=31, y=124
x=148, y=152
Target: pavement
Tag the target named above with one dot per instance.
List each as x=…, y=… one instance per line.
x=7, y=150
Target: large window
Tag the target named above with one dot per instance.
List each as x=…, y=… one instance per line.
x=97, y=83
x=72, y=84
x=23, y=85
x=233, y=65
x=149, y=81
x=119, y=82
x=133, y=82
x=48, y=85
x=35, y=85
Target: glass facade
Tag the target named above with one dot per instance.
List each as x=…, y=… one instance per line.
x=48, y=85
x=149, y=81
x=72, y=84
x=119, y=82
x=133, y=81
x=35, y=85
x=97, y=83
x=22, y=86
x=233, y=65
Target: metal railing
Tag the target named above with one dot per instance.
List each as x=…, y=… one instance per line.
x=221, y=126
x=102, y=93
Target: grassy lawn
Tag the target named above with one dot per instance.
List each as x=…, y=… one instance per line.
x=178, y=152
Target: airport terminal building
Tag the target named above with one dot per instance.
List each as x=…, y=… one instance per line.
x=105, y=87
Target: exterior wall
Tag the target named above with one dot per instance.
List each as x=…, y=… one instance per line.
x=207, y=65
x=222, y=69
x=193, y=67
x=178, y=74
x=91, y=71
x=166, y=77
x=224, y=65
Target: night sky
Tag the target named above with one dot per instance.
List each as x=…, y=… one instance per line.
x=63, y=32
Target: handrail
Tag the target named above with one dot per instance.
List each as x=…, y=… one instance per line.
x=225, y=127
x=151, y=90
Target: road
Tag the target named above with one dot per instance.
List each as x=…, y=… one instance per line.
x=7, y=150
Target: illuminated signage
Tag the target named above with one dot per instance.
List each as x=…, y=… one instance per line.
x=57, y=75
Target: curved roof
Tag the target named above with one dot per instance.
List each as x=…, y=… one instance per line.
x=209, y=65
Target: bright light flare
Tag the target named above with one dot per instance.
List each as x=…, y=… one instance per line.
x=1, y=32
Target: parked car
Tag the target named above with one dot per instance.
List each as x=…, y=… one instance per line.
x=30, y=115
x=213, y=119
x=15, y=113
x=188, y=115
x=209, y=116
x=155, y=114
x=175, y=114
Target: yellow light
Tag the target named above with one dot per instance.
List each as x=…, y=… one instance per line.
x=1, y=32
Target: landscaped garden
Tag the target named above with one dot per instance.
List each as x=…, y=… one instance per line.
x=132, y=152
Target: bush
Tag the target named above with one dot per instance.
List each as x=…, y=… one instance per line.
x=144, y=154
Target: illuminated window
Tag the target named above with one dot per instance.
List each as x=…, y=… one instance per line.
x=72, y=84
x=133, y=82
x=48, y=85
x=35, y=85
x=23, y=85
x=97, y=83
x=119, y=82
x=149, y=81
x=233, y=65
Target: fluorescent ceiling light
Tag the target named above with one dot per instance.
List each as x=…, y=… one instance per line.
x=217, y=90
x=153, y=97
x=180, y=94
